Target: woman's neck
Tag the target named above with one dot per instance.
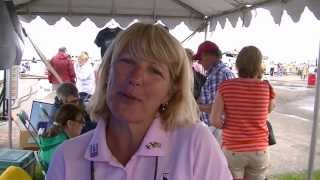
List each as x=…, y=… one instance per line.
x=67, y=132
x=124, y=139
x=255, y=78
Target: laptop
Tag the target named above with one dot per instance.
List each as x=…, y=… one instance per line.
x=41, y=112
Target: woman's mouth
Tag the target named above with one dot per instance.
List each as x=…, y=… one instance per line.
x=129, y=96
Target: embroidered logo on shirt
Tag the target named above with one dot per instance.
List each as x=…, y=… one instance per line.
x=153, y=145
x=93, y=150
x=165, y=176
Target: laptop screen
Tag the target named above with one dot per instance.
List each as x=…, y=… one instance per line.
x=40, y=112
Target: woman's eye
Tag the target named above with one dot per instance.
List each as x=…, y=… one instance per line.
x=127, y=61
x=157, y=72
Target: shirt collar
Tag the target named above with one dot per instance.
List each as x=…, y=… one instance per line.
x=155, y=143
x=214, y=67
x=97, y=149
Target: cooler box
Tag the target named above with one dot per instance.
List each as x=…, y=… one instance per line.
x=26, y=142
x=311, y=80
x=20, y=158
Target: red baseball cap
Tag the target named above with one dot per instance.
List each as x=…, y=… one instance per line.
x=206, y=46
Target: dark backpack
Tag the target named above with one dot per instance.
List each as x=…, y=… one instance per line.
x=199, y=80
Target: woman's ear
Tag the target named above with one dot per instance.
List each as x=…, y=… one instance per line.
x=69, y=123
x=168, y=97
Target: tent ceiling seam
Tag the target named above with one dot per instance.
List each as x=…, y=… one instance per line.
x=112, y=7
x=186, y=6
x=237, y=3
x=154, y=13
x=26, y=4
x=69, y=9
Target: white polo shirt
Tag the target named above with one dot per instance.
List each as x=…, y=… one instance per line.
x=189, y=153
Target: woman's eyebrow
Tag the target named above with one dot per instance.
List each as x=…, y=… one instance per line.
x=161, y=65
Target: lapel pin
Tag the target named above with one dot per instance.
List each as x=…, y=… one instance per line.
x=153, y=145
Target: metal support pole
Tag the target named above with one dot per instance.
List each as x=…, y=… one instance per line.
x=8, y=100
x=206, y=30
x=205, y=33
x=4, y=103
x=200, y=28
x=313, y=143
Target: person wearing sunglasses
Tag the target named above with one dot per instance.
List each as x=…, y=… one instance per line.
x=68, y=123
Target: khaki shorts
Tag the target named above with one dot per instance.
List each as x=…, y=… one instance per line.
x=252, y=165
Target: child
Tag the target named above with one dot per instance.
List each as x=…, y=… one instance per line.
x=68, y=123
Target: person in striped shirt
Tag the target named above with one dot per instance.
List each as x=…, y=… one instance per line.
x=241, y=108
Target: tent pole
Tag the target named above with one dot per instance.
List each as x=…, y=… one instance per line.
x=206, y=29
x=3, y=97
x=8, y=105
x=201, y=27
x=313, y=142
x=206, y=32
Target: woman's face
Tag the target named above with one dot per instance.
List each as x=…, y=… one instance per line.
x=82, y=61
x=137, y=88
x=75, y=126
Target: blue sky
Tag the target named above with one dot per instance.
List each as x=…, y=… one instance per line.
x=285, y=43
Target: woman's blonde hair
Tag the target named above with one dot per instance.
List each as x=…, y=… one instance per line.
x=84, y=55
x=190, y=54
x=152, y=42
x=249, y=62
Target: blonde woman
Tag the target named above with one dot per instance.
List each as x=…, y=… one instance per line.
x=84, y=74
x=245, y=103
x=147, y=117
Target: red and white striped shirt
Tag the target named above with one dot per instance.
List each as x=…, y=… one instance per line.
x=246, y=103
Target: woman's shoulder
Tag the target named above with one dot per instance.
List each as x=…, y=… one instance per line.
x=227, y=83
x=243, y=81
x=79, y=143
x=197, y=132
x=198, y=141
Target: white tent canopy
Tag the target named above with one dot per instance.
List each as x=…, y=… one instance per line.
x=193, y=13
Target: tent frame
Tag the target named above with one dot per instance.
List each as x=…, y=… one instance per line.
x=315, y=124
x=7, y=104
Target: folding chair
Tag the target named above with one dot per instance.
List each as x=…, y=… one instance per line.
x=23, y=117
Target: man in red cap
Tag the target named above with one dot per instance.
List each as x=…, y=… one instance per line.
x=209, y=56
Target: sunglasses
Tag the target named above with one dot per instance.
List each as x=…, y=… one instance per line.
x=80, y=122
x=73, y=101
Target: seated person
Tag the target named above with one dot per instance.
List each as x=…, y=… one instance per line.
x=68, y=93
x=68, y=123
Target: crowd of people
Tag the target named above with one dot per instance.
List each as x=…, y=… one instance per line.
x=150, y=113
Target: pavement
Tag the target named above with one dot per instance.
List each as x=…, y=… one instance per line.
x=292, y=123
x=293, y=136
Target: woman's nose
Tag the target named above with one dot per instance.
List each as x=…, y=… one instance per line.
x=136, y=76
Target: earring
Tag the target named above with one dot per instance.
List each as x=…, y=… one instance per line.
x=163, y=107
